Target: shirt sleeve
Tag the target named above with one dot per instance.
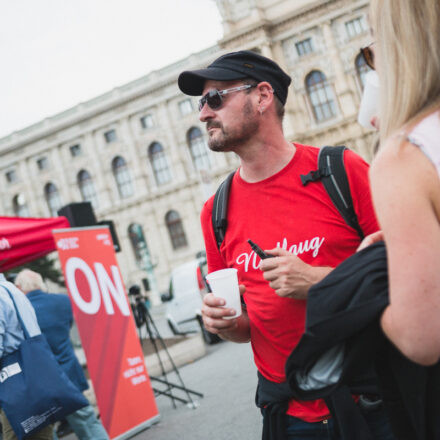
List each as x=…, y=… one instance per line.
x=213, y=255
x=358, y=178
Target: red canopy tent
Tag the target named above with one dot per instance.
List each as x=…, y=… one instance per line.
x=26, y=239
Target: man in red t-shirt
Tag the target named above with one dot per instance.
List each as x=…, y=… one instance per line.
x=243, y=106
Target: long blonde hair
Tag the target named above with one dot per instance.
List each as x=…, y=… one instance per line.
x=407, y=35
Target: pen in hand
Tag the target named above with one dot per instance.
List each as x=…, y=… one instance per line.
x=263, y=255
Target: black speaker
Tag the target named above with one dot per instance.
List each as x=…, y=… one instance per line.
x=112, y=228
x=79, y=214
x=146, y=284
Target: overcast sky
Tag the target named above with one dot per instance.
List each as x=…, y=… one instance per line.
x=57, y=53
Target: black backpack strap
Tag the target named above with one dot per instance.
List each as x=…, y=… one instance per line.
x=220, y=209
x=331, y=171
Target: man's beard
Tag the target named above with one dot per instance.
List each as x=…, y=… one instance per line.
x=226, y=140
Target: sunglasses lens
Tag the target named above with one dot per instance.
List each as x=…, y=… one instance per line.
x=214, y=99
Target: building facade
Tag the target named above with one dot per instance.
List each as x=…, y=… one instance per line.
x=139, y=154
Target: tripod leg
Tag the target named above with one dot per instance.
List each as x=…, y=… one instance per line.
x=152, y=336
x=182, y=387
x=177, y=386
x=165, y=393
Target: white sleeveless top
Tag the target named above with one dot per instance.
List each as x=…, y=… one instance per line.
x=426, y=136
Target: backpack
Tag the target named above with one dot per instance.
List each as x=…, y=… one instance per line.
x=331, y=172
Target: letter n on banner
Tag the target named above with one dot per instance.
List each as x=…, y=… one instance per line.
x=106, y=326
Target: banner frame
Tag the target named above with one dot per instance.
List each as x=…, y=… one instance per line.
x=139, y=428
x=146, y=423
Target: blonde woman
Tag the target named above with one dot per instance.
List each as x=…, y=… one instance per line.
x=405, y=175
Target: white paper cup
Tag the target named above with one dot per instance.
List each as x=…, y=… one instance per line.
x=224, y=284
x=370, y=100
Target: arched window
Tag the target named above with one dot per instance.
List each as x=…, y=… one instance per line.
x=159, y=163
x=122, y=177
x=321, y=96
x=87, y=188
x=20, y=206
x=137, y=239
x=53, y=198
x=198, y=149
x=175, y=229
x=361, y=68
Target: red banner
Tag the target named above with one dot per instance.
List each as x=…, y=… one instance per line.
x=106, y=326
x=25, y=239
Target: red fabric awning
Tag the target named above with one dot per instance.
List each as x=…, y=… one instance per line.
x=26, y=239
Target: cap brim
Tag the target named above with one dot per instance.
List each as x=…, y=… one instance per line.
x=192, y=82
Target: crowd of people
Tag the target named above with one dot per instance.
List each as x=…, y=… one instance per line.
x=243, y=95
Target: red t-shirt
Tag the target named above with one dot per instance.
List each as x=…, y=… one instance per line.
x=280, y=211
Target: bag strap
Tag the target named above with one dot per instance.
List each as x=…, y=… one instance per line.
x=20, y=320
x=331, y=171
x=220, y=209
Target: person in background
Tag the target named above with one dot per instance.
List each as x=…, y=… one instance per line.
x=405, y=174
x=54, y=314
x=11, y=336
x=147, y=301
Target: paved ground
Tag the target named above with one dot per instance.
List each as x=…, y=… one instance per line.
x=227, y=378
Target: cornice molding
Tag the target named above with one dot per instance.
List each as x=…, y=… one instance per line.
x=261, y=26
x=333, y=8
x=155, y=81
x=163, y=81
x=280, y=25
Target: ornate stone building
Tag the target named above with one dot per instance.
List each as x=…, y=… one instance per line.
x=139, y=154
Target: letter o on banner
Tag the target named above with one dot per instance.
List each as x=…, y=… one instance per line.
x=73, y=264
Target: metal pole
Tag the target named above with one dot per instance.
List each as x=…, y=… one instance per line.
x=148, y=267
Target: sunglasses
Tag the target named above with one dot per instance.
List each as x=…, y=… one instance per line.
x=368, y=54
x=214, y=97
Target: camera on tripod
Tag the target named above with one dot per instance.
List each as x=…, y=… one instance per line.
x=138, y=306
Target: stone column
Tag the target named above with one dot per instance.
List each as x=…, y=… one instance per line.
x=101, y=170
x=169, y=130
x=67, y=193
x=137, y=164
x=341, y=84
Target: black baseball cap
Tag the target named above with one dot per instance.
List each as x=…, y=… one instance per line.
x=237, y=65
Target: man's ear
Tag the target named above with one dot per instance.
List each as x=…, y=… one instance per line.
x=265, y=95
